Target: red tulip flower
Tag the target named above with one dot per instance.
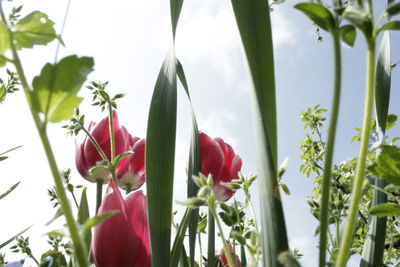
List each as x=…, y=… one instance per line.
x=224, y=259
x=122, y=239
x=219, y=159
x=87, y=155
x=132, y=172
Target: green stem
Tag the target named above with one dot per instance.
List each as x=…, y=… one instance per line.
x=228, y=254
x=326, y=181
x=360, y=171
x=112, y=137
x=95, y=144
x=99, y=193
x=252, y=211
x=74, y=198
x=211, y=239
x=200, y=250
x=79, y=247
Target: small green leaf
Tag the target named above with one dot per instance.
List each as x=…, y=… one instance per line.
x=9, y=190
x=393, y=9
x=386, y=209
x=58, y=214
x=360, y=18
x=83, y=216
x=285, y=189
x=34, y=29
x=92, y=222
x=348, y=34
x=319, y=14
x=391, y=25
x=3, y=92
x=54, y=90
x=387, y=166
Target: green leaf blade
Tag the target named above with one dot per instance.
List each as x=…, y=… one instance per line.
x=319, y=14
x=384, y=210
x=253, y=20
x=54, y=90
x=160, y=159
x=348, y=34
x=9, y=190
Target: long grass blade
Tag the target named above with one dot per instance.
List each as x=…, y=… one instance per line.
x=2, y=245
x=375, y=242
x=180, y=235
x=194, y=166
x=160, y=157
x=253, y=20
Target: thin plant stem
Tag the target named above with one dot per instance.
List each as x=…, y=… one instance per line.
x=74, y=198
x=389, y=250
x=326, y=181
x=252, y=211
x=112, y=137
x=211, y=239
x=79, y=247
x=95, y=144
x=200, y=250
x=99, y=193
x=228, y=255
x=360, y=171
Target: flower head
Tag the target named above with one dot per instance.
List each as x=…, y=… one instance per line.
x=219, y=159
x=224, y=259
x=132, y=171
x=122, y=239
x=87, y=155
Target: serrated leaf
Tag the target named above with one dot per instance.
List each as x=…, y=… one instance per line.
x=387, y=166
x=391, y=25
x=54, y=90
x=348, y=34
x=360, y=18
x=393, y=9
x=9, y=190
x=319, y=14
x=34, y=29
x=382, y=82
x=384, y=210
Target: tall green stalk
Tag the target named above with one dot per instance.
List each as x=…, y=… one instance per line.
x=79, y=247
x=211, y=239
x=326, y=181
x=361, y=163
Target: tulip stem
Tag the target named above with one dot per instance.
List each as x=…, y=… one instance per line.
x=211, y=205
x=200, y=249
x=99, y=194
x=211, y=239
x=79, y=247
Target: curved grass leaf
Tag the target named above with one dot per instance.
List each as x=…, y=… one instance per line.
x=92, y=222
x=14, y=237
x=193, y=168
x=9, y=190
x=180, y=236
x=348, y=34
x=391, y=25
x=160, y=157
x=176, y=7
x=253, y=20
x=393, y=9
x=14, y=148
x=319, y=14
x=34, y=29
x=55, y=89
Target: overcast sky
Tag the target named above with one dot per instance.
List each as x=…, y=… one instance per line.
x=128, y=40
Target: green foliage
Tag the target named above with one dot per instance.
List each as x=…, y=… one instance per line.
x=55, y=89
x=387, y=165
x=9, y=190
x=391, y=25
x=319, y=14
x=348, y=34
x=360, y=18
x=386, y=209
x=10, y=86
x=34, y=29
